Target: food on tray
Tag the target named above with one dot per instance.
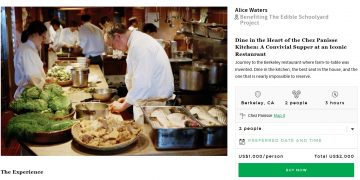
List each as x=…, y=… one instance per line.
x=171, y=118
x=107, y=132
x=160, y=115
x=177, y=119
x=209, y=116
x=204, y=116
x=60, y=73
x=24, y=125
x=219, y=114
x=51, y=99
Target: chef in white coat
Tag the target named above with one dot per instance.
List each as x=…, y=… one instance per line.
x=133, y=24
x=56, y=45
x=27, y=63
x=69, y=36
x=149, y=74
x=91, y=40
x=50, y=33
x=49, y=41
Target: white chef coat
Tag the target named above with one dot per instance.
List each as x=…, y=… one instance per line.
x=28, y=67
x=50, y=33
x=91, y=40
x=131, y=28
x=56, y=43
x=149, y=73
x=56, y=46
x=69, y=38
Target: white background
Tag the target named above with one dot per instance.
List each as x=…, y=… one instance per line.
x=344, y=24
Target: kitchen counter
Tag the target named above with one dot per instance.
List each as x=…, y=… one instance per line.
x=77, y=94
x=143, y=146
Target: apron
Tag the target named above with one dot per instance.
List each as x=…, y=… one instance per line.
x=52, y=58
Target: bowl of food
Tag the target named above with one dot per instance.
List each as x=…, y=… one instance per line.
x=65, y=83
x=105, y=134
x=103, y=94
x=61, y=74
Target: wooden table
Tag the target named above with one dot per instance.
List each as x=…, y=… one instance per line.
x=143, y=146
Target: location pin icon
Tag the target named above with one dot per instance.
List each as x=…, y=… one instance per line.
x=257, y=94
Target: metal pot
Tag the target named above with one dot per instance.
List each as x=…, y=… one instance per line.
x=217, y=70
x=193, y=78
x=80, y=76
x=104, y=94
x=91, y=110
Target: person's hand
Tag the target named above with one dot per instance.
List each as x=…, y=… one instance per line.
x=121, y=100
x=115, y=107
x=119, y=106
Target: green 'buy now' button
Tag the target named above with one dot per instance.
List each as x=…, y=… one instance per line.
x=296, y=169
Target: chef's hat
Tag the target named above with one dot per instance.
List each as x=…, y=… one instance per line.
x=132, y=18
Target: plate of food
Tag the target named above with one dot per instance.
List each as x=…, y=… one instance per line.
x=105, y=134
x=62, y=75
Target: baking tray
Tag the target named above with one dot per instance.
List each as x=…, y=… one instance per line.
x=172, y=138
x=212, y=136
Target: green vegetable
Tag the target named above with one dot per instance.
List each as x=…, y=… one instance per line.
x=59, y=73
x=45, y=95
x=31, y=93
x=50, y=100
x=30, y=105
x=54, y=89
x=60, y=103
x=22, y=126
x=18, y=105
x=61, y=113
x=60, y=125
x=42, y=105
